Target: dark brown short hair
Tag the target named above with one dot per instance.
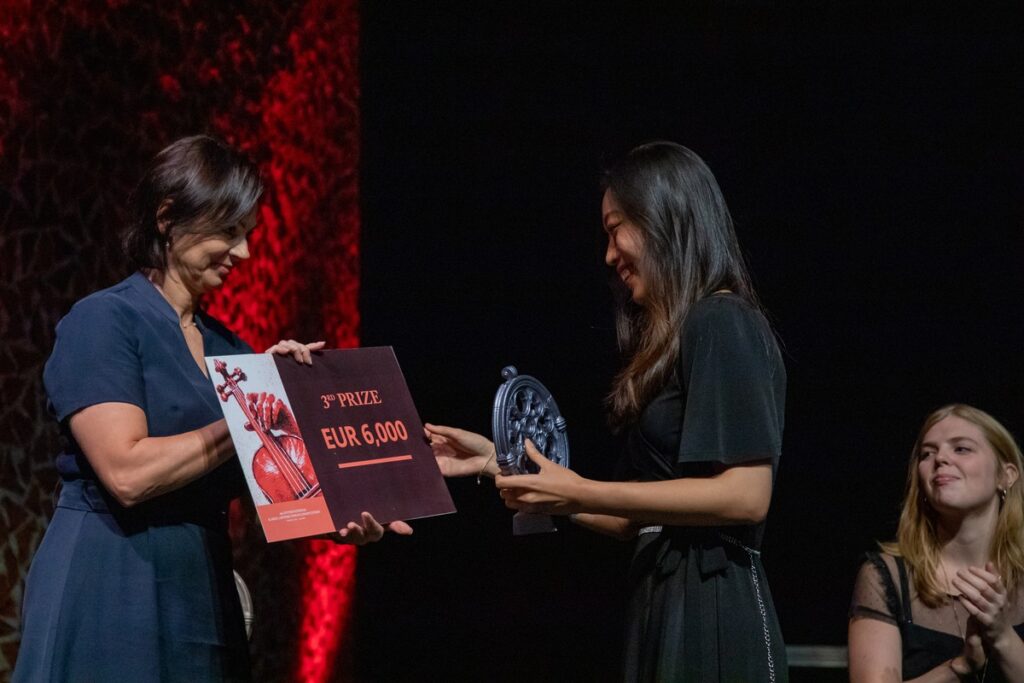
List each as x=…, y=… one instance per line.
x=207, y=186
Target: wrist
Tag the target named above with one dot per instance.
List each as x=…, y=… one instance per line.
x=584, y=494
x=490, y=467
x=1004, y=640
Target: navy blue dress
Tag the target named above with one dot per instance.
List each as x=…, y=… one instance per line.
x=143, y=593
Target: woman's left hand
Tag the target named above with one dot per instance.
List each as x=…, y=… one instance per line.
x=303, y=353
x=985, y=599
x=370, y=531
x=554, y=490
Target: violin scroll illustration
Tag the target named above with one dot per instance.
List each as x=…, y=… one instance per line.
x=281, y=465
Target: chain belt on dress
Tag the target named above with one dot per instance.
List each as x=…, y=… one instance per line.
x=754, y=579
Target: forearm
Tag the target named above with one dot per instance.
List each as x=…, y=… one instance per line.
x=876, y=654
x=620, y=528
x=739, y=495
x=875, y=651
x=1008, y=654
x=152, y=466
x=943, y=673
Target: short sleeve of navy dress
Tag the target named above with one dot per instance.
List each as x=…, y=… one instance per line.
x=145, y=592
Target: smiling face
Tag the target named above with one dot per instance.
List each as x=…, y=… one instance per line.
x=625, y=247
x=202, y=261
x=958, y=470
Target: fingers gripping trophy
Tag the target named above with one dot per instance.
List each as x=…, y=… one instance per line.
x=525, y=409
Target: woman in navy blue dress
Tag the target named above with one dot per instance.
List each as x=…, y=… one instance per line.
x=133, y=578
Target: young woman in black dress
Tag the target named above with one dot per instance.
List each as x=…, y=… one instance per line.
x=945, y=600
x=702, y=399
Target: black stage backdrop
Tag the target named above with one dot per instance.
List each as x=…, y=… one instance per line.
x=872, y=159
x=873, y=164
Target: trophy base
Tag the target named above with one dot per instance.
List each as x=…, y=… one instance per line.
x=525, y=523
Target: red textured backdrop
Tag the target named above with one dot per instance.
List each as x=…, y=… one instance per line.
x=89, y=90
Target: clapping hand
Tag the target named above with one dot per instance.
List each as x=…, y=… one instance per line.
x=985, y=599
x=973, y=657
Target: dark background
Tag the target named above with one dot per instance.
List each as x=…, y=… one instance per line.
x=872, y=159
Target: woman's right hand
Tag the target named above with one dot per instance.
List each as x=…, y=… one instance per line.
x=985, y=598
x=367, y=530
x=460, y=453
x=972, y=658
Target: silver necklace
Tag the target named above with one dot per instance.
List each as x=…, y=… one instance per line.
x=183, y=326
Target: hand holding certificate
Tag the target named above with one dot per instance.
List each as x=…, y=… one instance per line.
x=461, y=453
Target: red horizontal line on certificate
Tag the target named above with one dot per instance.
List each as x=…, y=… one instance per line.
x=375, y=461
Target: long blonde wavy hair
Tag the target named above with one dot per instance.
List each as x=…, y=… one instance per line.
x=917, y=538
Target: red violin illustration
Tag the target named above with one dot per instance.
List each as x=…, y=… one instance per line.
x=281, y=466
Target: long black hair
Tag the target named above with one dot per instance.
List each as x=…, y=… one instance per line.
x=194, y=185
x=690, y=251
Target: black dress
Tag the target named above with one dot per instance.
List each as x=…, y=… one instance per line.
x=699, y=606
x=929, y=636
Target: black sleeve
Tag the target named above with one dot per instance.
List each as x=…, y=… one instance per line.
x=874, y=592
x=734, y=382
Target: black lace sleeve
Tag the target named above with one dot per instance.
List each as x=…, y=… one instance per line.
x=875, y=595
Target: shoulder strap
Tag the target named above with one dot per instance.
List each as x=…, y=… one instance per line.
x=904, y=590
x=897, y=608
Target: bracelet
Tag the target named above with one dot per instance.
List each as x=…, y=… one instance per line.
x=494, y=454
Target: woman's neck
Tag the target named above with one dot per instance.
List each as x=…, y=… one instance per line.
x=967, y=540
x=177, y=295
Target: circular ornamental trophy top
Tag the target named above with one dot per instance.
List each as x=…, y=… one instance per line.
x=524, y=409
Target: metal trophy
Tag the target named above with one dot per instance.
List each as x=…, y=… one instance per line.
x=524, y=409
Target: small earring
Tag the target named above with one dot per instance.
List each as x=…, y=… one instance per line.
x=1002, y=494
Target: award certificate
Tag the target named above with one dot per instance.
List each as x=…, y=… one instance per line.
x=320, y=444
